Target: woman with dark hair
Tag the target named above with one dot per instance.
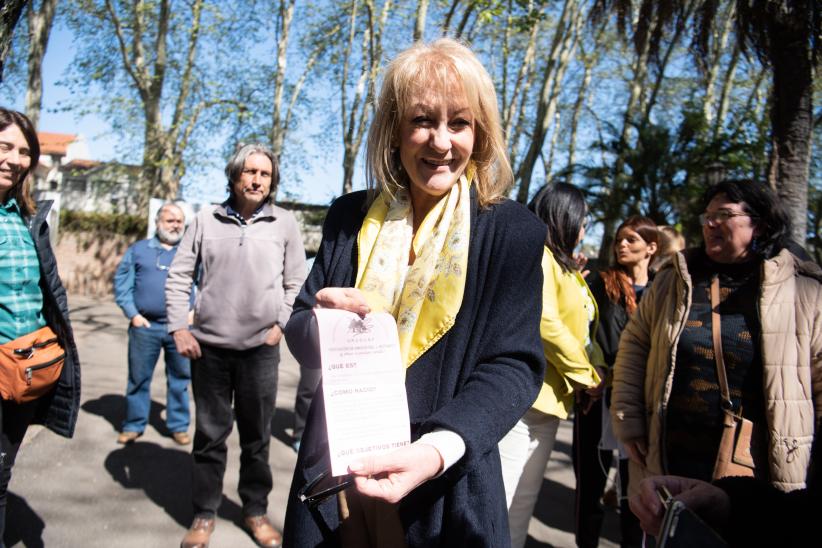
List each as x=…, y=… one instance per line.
x=733, y=326
x=617, y=291
x=568, y=322
x=32, y=298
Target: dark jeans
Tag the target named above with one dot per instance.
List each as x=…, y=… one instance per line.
x=15, y=420
x=144, y=345
x=591, y=466
x=309, y=380
x=249, y=379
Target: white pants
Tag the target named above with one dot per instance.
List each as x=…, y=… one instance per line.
x=524, y=454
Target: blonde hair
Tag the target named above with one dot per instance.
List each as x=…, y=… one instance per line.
x=443, y=66
x=672, y=240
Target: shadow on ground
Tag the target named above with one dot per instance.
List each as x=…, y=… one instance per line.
x=23, y=525
x=112, y=407
x=164, y=475
x=555, y=508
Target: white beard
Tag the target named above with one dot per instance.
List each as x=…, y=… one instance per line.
x=168, y=237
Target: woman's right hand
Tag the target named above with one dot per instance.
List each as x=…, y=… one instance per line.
x=343, y=298
x=637, y=450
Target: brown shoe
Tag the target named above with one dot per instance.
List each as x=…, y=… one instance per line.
x=263, y=532
x=128, y=437
x=181, y=438
x=199, y=533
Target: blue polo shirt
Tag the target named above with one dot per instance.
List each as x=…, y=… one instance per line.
x=140, y=280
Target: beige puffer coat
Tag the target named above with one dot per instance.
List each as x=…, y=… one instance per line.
x=790, y=307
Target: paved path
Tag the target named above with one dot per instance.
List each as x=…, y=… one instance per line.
x=89, y=491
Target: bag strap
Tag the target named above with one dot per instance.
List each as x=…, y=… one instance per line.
x=716, y=332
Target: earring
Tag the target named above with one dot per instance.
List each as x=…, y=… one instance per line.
x=754, y=246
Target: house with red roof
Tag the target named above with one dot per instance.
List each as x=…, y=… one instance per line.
x=66, y=173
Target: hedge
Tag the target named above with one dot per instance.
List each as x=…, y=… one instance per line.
x=117, y=223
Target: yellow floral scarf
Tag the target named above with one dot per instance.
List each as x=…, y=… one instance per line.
x=426, y=300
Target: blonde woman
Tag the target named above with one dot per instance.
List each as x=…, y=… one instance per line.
x=436, y=219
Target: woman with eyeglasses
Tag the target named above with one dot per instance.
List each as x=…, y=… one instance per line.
x=567, y=328
x=669, y=398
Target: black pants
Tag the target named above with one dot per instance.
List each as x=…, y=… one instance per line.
x=591, y=466
x=249, y=379
x=15, y=421
x=309, y=380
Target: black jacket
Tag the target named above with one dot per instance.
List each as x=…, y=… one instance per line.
x=477, y=380
x=612, y=319
x=57, y=410
x=762, y=515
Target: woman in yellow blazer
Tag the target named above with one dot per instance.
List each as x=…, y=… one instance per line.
x=569, y=317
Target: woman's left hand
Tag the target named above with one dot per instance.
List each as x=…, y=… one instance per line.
x=393, y=475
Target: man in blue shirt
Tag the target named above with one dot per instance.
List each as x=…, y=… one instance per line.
x=139, y=290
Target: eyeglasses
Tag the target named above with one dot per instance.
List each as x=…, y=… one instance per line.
x=719, y=217
x=323, y=487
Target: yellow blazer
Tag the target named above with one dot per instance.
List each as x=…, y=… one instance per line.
x=564, y=327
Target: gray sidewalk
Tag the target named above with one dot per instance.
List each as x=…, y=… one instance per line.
x=90, y=492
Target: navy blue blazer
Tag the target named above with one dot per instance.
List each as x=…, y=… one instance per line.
x=477, y=380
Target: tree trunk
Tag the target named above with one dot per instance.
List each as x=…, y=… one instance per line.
x=544, y=115
x=40, y=22
x=548, y=164
x=682, y=21
x=10, y=12
x=522, y=83
x=718, y=50
x=419, y=24
x=792, y=124
x=614, y=194
x=286, y=13
x=725, y=96
x=446, y=23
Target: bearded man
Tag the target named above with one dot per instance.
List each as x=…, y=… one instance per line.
x=139, y=290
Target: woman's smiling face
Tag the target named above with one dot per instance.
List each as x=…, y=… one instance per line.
x=436, y=139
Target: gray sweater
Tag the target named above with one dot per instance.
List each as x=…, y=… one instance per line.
x=249, y=276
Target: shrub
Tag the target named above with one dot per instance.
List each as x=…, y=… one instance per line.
x=116, y=223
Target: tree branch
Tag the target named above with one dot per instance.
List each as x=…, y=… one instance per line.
x=185, y=82
x=124, y=51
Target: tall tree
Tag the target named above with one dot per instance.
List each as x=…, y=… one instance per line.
x=160, y=76
x=362, y=52
x=566, y=36
x=40, y=22
x=786, y=36
x=654, y=26
x=10, y=12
